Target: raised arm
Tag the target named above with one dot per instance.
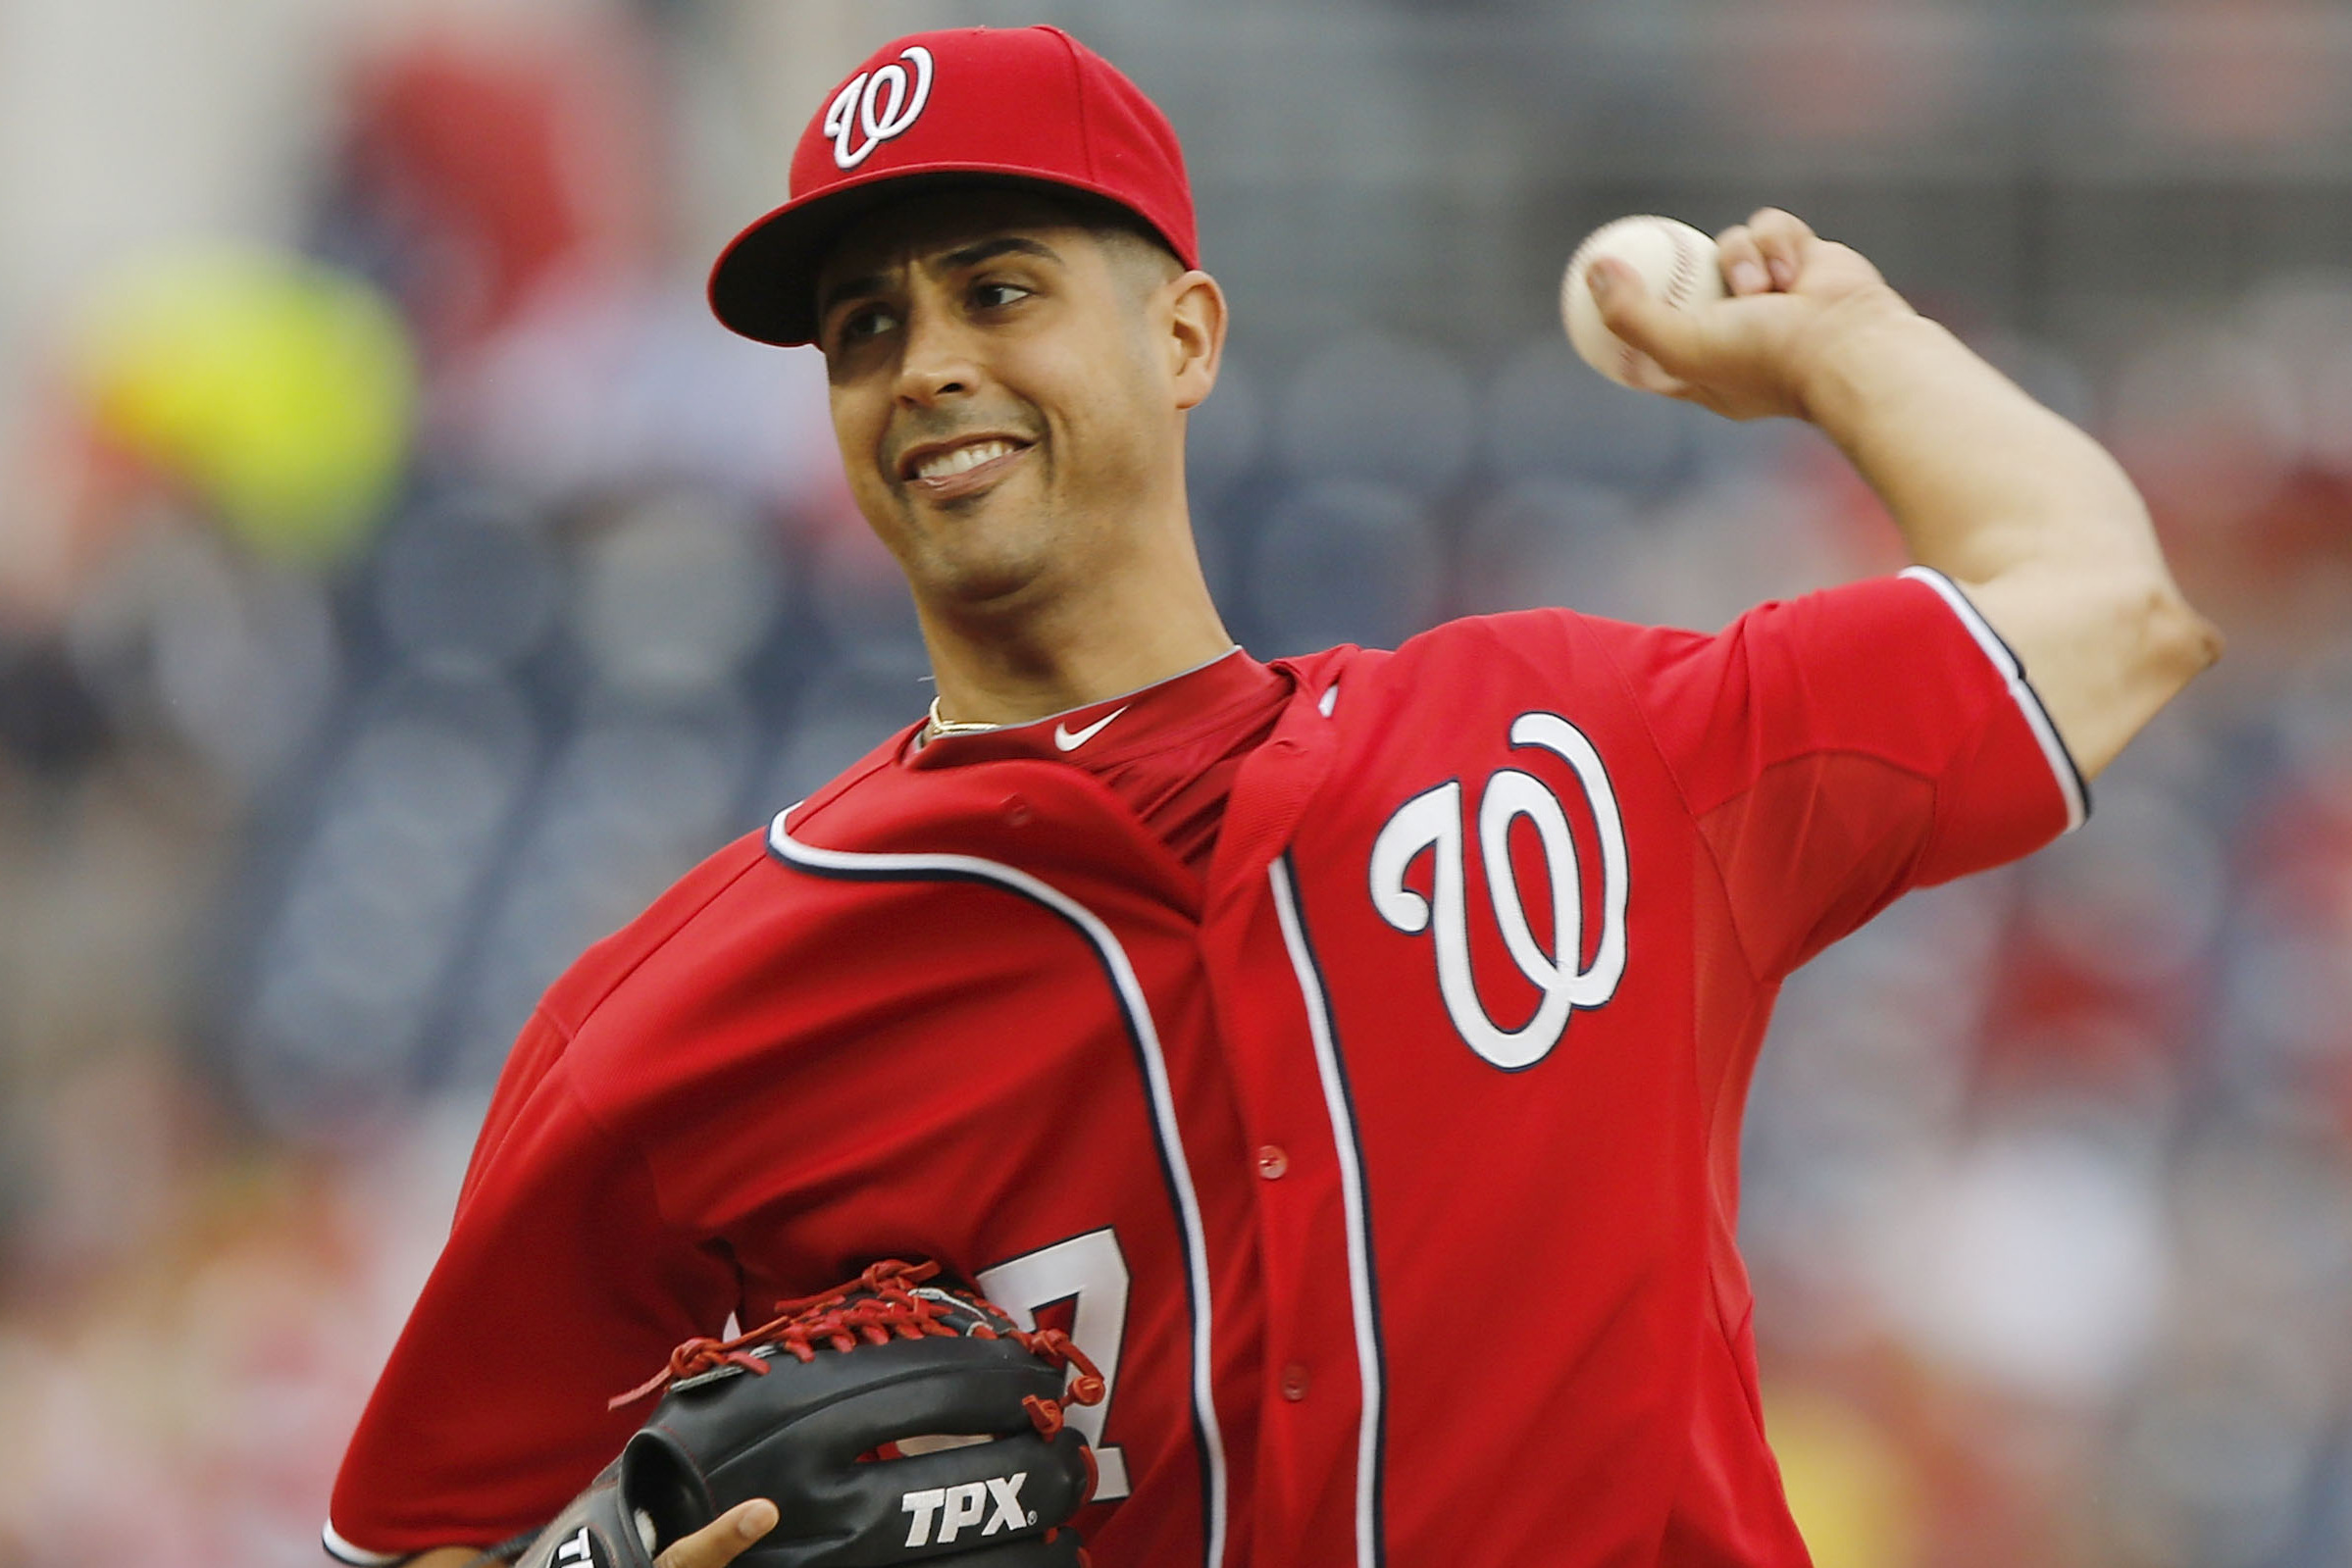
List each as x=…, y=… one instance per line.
x=2029, y=515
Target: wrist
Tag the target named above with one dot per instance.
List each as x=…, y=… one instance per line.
x=1843, y=360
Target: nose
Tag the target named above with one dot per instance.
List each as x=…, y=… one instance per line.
x=937, y=362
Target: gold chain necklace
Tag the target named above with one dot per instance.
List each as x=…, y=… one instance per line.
x=952, y=727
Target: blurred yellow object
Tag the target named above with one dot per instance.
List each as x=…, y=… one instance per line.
x=283, y=391
x=1855, y=1498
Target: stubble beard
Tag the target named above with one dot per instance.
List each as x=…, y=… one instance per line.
x=997, y=557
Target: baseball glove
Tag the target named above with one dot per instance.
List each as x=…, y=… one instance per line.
x=890, y=1420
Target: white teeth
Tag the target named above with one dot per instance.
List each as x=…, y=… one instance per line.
x=940, y=465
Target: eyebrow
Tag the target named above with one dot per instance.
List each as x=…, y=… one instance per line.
x=966, y=256
x=986, y=250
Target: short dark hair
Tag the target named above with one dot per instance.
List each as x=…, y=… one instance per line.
x=1104, y=216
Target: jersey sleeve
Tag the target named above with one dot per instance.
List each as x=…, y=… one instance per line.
x=1838, y=749
x=561, y=1285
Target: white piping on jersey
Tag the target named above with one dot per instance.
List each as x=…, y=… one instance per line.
x=2021, y=690
x=1352, y=1207
x=342, y=1550
x=1155, y=1075
x=1329, y=700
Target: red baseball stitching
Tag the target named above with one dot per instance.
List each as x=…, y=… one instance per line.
x=1685, y=275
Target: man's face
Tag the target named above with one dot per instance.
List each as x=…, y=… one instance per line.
x=1002, y=392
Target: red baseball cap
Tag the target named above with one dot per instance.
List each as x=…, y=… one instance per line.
x=1030, y=105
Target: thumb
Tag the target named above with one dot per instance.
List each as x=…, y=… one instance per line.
x=1628, y=308
x=724, y=1538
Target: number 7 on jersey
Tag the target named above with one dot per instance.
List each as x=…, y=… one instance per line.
x=1090, y=1271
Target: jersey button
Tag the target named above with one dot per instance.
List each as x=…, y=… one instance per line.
x=1272, y=1162
x=1016, y=811
x=1294, y=1382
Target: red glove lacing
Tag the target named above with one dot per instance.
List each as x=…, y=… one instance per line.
x=880, y=1303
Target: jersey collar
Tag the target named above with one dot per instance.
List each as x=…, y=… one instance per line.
x=1167, y=713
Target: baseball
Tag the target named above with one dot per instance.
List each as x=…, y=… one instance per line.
x=1678, y=265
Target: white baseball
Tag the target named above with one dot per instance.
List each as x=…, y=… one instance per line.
x=1677, y=262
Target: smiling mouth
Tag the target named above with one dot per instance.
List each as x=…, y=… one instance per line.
x=949, y=472
x=961, y=459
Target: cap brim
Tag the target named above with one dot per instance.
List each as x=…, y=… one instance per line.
x=764, y=284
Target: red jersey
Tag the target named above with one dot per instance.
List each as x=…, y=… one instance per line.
x=1387, y=1170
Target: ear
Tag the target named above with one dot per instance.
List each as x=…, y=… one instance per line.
x=1196, y=335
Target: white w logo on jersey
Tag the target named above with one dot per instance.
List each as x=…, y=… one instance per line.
x=1433, y=820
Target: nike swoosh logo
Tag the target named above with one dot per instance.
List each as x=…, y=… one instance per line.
x=1069, y=740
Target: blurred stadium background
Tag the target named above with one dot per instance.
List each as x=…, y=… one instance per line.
x=401, y=579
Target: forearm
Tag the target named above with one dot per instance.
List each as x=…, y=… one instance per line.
x=2028, y=513
x=1980, y=479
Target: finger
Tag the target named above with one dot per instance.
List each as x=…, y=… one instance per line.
x=724, y=1538
x=1780, y=223
x=1784, y=239
x=1743, y=264
x=1648, y=324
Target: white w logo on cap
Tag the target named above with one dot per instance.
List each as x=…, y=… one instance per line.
x=877, y=104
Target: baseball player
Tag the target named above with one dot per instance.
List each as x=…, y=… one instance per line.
x=1348, y=1050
